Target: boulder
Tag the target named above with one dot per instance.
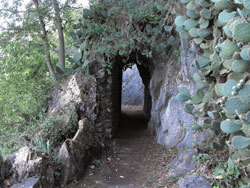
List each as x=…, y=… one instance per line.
x=194, y=181
x=131, y=82
x=75, y=99
x=182, y=163
x=28, y=163
x=79, y=91
x=75, y=153
x=168, y=119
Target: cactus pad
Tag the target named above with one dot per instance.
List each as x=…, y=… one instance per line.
x=227, y=49
x=240, y=142
x=179, y=20
x=231, y=126
x=245, y=53
x=239, y=66
x=241, y=30
x=189, y=24
x=236, y=104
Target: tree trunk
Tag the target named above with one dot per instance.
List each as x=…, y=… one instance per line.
x=45, y=41
x=58, y=20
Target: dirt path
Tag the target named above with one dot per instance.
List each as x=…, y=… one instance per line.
x=132, y=160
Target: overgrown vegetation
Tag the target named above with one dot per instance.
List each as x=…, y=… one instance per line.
x=221, y=29
x=24, y=77
x=112, y=28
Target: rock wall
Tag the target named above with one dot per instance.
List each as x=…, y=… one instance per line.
x=169, y=121
x=132, y=87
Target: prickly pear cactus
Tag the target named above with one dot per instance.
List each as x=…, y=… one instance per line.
x=222, y=31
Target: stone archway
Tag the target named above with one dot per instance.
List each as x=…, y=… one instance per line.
x=142, y=64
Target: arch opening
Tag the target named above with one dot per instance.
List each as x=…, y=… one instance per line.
x=127, y=115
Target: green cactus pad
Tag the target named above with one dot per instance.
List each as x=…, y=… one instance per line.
x=219, y=24
x=183, y=90
x=228, y=87
x=201, y=85
x=196, y=99
x=204, y=3
x=239, y=66
x=195, y=126
x=203, y=61
x=192, y=14
x=182, y=98
x=227, y=31
x=191, y=6
x=208, y=95
x=198, y=40
x=179, y=28
x=236, y=55
x=236, y=76
x=193, y=32
x=219, y=89
x=223, y=4
x=216, y=33
x=227, y=49
x=246, y=129
x=225, y=16
x=245, y=53
x=241, y=30
x=230, y=116
x=228, y=63
x=236, y=104
x=245, y=92
x=188, y=108
x=204, y=32
x=189, y=24
x=205, y=70
x=206, y=14
x=203, y=23
x=196, y=77
x=230, y=126
x=204, y=46
x=179, y=21
x=240, y=142
x=213, y=115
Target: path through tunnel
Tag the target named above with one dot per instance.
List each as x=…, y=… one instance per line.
x=131, y=116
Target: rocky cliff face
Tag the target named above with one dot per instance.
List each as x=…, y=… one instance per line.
x=132, y=87
x=169, y=121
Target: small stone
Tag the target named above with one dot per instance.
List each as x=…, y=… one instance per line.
x=109, y=159
x=118, y=159
x=182, y=163
x=92, y=167
x=91, y=174
x=122, y=177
